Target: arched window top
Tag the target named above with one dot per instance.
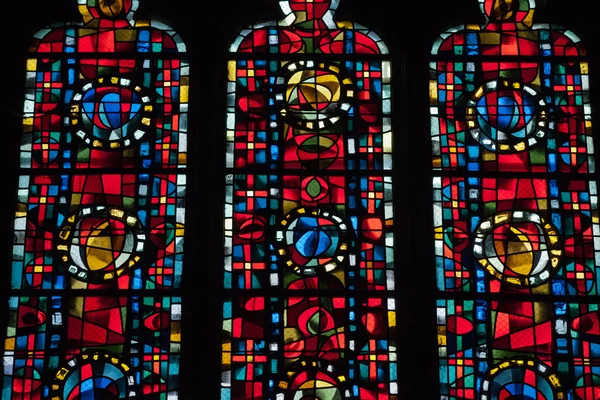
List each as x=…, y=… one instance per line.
x=308, y=19
x=144, y=36
x=516, y=19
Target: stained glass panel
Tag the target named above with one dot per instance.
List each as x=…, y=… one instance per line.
x=95, y=304
x=309, y=241
x=515, y=209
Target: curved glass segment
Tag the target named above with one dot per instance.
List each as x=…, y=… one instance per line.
x=308, y=27
x=95, y=303
x=515, y=209
x=309, y=247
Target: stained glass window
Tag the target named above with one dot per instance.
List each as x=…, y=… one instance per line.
x=310, y=310
x=95, y=302
x=515, y=209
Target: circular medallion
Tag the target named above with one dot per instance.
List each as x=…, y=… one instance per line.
x=312, y=241
x=313, y=96
x=508, y=10
x=38, y=271
x=574, y=152
x=507, y=117
x=523, y=380
x=580, y=278
x=112, y=8
x=27, y=381
x=518, y=247
x=94, y=376
x=110, y=113
x=587, y=387
x=450, y=87
x=100, y=243
x=109, y=9
x=45, y=149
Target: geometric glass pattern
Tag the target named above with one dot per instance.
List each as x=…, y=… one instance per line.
x=95, y=298
x=309, y=245
x=517, y=234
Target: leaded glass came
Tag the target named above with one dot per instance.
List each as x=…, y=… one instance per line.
x=310, y=310
x=95, y=302
x=515, y=209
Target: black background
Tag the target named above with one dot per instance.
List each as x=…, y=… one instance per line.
x=409, y=27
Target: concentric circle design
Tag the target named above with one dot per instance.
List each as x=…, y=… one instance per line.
x=312, y=241
x=94, y=376
x=110, y=113
x=311, y=380
x=313, y=96
x=100, y=243
x=507, y=117
x=518, y=247
x=521, y=379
